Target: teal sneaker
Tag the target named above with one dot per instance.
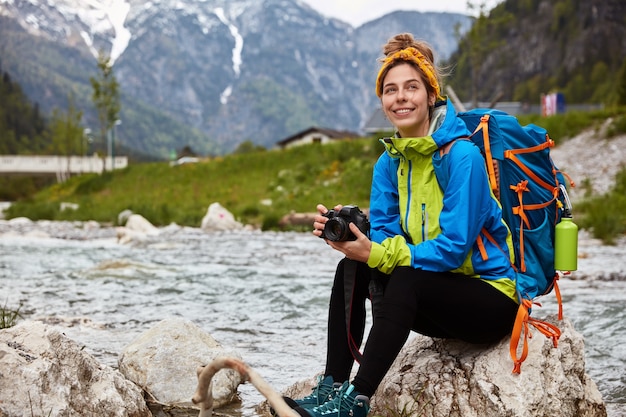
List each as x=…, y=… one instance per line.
x=325, y=391
x=347, y=403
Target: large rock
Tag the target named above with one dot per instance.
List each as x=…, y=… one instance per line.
x=136, y=229
x=140, y=224
x=218, y=218
x=448, y=378
x=451, y=378
x=164, y=359
x=43, y=373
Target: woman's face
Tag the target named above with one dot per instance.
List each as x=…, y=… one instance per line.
x=405, y=100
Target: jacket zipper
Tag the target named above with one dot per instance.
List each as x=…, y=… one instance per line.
x=408, y=201
x=424, y=223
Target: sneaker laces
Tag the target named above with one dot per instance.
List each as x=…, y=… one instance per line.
x=314, y=395
x=316, y=390
x=343, y=402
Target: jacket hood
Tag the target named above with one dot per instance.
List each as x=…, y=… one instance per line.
x=445, y=127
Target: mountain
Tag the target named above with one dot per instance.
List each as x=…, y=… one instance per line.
x=208, y=74
x=522, y=49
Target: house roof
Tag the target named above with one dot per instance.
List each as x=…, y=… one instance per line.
x=377, y=122
x=331, y=133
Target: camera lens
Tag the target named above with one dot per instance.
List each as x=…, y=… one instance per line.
x=336, y=229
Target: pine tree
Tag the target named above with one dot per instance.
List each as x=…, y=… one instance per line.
x=22, y=128
x=106, y=97
x=66, y=130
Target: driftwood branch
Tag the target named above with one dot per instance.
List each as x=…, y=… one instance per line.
x=204, y=396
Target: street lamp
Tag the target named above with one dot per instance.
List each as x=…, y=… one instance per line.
x=88, y=138
x=84, y=149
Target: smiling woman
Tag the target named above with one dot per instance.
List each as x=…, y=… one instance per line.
x=424, y=263
x=408, y=86
x=405, y=101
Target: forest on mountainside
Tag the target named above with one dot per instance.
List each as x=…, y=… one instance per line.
x=22, y=126
x=25, y=131
x=518, y=50
x=522, y=49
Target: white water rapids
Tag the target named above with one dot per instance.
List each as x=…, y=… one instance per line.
x=263, y=294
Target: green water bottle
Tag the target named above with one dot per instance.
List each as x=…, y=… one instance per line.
x=566, y=244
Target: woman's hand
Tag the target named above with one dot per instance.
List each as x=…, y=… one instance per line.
x=319, y=221
x=358, y=250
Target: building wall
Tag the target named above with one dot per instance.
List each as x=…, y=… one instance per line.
x=313, y=137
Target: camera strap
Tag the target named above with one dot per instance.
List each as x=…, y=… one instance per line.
x=376, y=289
x=349, y=285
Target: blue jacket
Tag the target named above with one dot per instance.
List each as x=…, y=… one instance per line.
x=430, y=202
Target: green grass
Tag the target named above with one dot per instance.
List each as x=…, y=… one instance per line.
x=605, y=215
x=260, y=187
x=565, y=126
x=8, y=317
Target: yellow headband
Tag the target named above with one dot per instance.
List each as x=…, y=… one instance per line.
x=411, y=55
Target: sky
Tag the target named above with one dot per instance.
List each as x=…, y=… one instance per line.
x=357, y=12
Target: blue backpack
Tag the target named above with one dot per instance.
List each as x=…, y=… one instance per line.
x=532, y=193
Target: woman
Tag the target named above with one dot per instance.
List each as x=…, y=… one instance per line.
x=430, y=206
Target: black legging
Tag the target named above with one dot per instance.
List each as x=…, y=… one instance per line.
x=436, y=304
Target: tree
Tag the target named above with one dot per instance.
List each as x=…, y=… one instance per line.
x=248, y=147
x=21, y=125
x=477, y=47
x=482, y=39
x=106, y=97
x=621, y=95
x=66, y=130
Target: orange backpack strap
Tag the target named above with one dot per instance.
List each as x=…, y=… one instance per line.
x=481, y=247
x=491, y=170
x=510, y=154
x=521, y=325
x=557, y=292
x=446, y=148
x=483, y=250
x=569, y=179
x=521, y=209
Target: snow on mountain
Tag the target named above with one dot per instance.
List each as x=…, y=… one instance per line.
x=237, y=59
x=63, y=19
x=234, y=70
x=117, y=13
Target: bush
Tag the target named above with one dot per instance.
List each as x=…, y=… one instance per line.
x=618, y=127
x=270, y=222
x=565, y=126
x=39, y=210
x=605, y=215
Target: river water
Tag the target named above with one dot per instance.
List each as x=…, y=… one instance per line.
x=263, y=294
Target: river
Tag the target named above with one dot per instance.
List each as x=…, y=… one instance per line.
x=264, y=294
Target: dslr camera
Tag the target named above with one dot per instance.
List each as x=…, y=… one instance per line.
x=337, y=227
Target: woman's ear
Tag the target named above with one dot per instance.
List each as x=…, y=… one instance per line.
x=382, y=107
x=431, y=100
